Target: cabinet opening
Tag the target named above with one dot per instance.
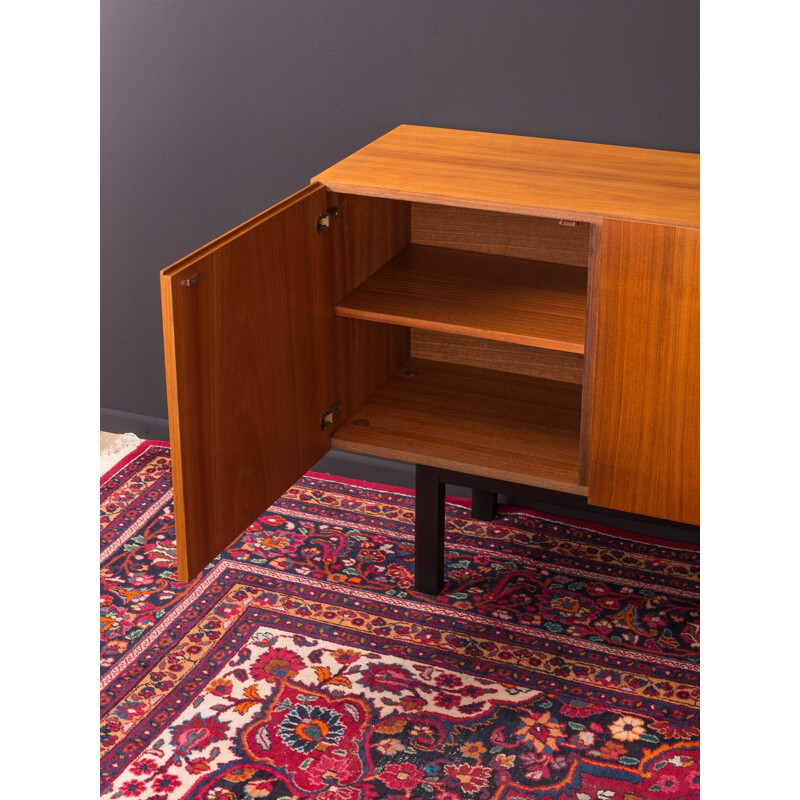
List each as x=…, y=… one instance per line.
x=476, y=323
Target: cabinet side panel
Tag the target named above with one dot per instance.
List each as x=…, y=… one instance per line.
x=367, y=232
x=247, y=327
x=644, y=372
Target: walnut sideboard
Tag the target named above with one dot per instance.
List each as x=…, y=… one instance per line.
x=515, y=308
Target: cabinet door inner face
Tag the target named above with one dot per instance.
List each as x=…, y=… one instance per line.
x=248, y=325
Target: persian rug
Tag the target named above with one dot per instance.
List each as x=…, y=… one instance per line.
x=561, y=660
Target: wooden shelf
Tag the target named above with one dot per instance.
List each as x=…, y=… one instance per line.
x=511, y=427
x=474, y=294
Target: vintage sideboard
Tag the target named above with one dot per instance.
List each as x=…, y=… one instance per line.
x=516, y=308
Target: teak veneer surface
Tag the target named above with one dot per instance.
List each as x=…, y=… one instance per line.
x=476, y=294
x=644, y=372
x=510, y=427
x=524, y=175
x=247, y=324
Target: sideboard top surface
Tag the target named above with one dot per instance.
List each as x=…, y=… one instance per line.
x=523, y=175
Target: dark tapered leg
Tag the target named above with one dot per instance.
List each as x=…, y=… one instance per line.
x=484, y=505
x=429, y=532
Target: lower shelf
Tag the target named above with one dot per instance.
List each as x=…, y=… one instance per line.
x=511, y=427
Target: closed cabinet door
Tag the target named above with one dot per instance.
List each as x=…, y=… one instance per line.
x=644, y=371
x=247, y=330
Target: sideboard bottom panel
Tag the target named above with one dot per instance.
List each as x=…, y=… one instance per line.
x=513, y=428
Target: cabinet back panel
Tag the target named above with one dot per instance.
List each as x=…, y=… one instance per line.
x=535, y=362
x=515, y=235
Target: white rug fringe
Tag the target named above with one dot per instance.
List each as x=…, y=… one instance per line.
x=120, y=447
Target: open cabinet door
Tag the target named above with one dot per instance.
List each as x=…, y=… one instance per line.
x=247, y=330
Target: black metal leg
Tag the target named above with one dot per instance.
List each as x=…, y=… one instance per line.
x=484, y=505
x=429, y=531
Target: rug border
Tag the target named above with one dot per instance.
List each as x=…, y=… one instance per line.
x=600, y=527
x=610, y=530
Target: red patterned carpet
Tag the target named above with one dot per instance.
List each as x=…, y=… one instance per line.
x=561, y=661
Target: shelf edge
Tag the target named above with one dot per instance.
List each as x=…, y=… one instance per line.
x=444, y=327
x=458, y=466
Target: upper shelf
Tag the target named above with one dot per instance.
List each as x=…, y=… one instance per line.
x=475, y=294
x=524, y=175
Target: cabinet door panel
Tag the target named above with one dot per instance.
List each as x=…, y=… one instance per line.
x=644, y=372
x=247, y=330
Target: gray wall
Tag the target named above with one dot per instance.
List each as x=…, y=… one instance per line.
x=212, y=111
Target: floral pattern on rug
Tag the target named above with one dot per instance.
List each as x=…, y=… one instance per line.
x=559, y=662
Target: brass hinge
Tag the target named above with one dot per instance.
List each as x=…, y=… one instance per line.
x=327, y=416
x=324, y=220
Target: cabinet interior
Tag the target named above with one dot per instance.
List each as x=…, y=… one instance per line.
x=460, y=337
